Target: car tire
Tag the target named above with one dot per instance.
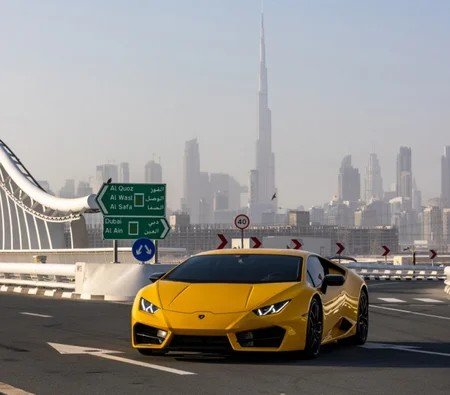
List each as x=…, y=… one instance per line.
x=314, y=330
x=362, y=322
x=148, y=351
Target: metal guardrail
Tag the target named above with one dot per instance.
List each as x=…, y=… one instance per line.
x=374, y=271
x=38, y=275
x=62, y=276
x=447, y=280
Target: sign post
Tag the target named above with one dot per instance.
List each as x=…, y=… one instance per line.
x=341, y=248
x=133, y=211
x=242, y=222
x=433, y=254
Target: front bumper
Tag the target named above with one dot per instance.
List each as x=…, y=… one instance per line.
x=174, y=331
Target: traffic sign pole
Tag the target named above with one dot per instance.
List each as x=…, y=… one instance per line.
x=242, y=222
x=156, y=251
x=115, y=252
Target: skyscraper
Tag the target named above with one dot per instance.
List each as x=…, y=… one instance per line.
x=445, y=177
x=124, y=172
x=349, y=181
x=103, y=173
x=197, y=197
x=263, y=179
x=153, y=172
x=373, y=183
x=404, y=173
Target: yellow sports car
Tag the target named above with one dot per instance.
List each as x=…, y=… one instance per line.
x=250, y=300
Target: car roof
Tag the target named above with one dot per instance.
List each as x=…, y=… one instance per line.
x=257, y=251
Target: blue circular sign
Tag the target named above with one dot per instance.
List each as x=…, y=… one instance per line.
x=143, y=249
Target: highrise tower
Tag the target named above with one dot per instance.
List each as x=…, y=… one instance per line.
x=263, y=177
x=445, y=177
x=404, y=173
x=349, y=181
x=373, y=187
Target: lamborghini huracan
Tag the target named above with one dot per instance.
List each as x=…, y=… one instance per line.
x=250, y=300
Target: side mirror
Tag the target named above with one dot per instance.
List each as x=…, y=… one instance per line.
x=332, y=280
x=156, y=276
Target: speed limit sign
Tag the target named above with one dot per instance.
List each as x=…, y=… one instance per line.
x=242, y=222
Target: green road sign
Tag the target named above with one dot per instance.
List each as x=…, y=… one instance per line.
x=119, y=227
x=140, y=200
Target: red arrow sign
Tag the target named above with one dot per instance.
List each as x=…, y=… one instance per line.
x=297, y=244
x=433, y=254
x=386, y=251
x=256, y=242
x=223, y=241
x=340, y=248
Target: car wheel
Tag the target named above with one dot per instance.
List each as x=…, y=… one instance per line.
x=148, y=351
x=314, y=330
x=362, y=324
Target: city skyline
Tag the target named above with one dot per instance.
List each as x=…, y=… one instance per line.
x=122, y=104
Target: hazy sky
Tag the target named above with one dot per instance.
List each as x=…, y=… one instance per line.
x=87, y=82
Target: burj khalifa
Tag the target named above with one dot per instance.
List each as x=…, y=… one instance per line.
x=263, y=200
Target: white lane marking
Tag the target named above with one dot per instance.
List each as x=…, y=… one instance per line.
x=410, y=312
x=32, y=291
x=392, y=300
x=10, y=390
x=67, y=295
x=17, y=289
x=49, y=292
x=428, y=300
x=3, y=288
x=101, y=353
x=384, y=346
x=36, y=315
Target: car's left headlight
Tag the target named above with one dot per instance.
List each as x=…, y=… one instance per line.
x=148, y=307
x=271, y=309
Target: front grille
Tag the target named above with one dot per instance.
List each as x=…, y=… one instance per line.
x=200, y=343
x=266, y=337
x=144, y=334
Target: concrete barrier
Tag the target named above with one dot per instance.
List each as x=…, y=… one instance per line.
x=118, y=282
x=373, y=271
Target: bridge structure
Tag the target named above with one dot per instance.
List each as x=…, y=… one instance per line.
x=32, y=218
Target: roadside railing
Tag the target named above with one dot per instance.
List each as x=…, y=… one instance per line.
x=375, y=271
x=447, y=280
x=51, y=275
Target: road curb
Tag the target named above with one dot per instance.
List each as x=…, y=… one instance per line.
x=51, y=293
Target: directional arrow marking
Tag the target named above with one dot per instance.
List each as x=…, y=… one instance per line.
x=297, y=244
x=139, y=250
x=166, y=228
x=386, y=250
x=223, y=241
x=400, y=347
x=103, y=208
x=433, y=254
x=107, y=354
x=256, y=241
x=340, y=248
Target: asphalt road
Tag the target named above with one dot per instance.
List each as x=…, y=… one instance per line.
x=408, y=352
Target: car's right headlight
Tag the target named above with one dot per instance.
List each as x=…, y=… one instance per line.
x=271, y=309
x=148, y=307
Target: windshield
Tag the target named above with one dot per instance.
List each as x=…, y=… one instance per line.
x=245, y=268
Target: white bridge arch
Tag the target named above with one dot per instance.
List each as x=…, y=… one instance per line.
x=31, y=218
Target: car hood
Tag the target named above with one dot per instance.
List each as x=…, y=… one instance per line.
x=217, y=298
